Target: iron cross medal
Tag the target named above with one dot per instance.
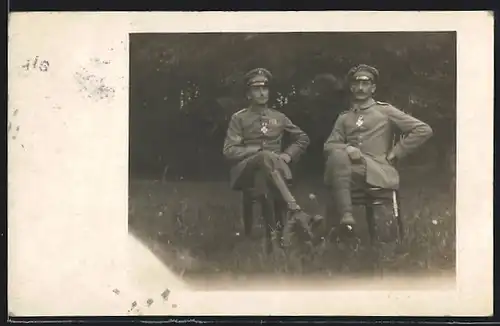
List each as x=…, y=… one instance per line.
x=360, y=121
x=264, y=128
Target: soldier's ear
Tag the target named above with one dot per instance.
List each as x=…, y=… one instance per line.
x=374, y=88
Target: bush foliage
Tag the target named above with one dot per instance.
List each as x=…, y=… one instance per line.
x=184, y=88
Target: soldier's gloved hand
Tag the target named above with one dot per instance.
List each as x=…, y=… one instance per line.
x=285, y=157
x=354, y=153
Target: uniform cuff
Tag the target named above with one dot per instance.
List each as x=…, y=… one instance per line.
x=293, y=152
x=398, y=151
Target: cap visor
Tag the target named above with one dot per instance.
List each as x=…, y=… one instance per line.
x=258, y=84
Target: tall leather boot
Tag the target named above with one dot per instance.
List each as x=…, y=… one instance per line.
x=344, y=204
x=285, y=193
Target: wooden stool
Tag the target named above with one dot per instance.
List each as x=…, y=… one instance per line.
x=273, y=211
x=375, y=196
x=370, y=198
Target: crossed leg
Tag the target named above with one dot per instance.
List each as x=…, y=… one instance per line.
x=344, y=176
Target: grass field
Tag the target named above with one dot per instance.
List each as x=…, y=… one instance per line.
x=196, y=229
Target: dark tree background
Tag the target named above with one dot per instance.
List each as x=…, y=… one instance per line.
x=184, y=88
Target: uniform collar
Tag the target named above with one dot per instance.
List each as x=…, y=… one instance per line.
x=367, y=104
x=258, y=110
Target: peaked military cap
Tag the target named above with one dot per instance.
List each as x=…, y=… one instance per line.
x=258, y=77
x=363, y=72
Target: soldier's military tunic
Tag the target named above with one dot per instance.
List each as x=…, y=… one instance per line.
x=253, y=131
x=371, y=129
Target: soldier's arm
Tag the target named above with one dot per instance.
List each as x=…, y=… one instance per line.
x=234, y=149
x=337, y=136
x=417, y=132
x=300, y=140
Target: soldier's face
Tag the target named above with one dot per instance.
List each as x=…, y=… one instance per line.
x=362, y=89
x=259, y=94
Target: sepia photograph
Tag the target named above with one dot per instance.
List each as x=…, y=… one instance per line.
x=283, y=156
x=176, y=164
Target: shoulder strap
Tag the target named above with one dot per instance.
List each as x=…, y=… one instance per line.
x=238, y=112
x=344, y=112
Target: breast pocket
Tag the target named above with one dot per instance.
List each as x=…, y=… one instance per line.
x=250, y=129
x=376, y=125
x=375, y=119
x=275, y=129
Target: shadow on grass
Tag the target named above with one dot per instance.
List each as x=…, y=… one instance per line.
x=196, y=229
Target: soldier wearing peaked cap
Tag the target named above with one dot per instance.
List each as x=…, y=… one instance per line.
x=253, y=144
x=359, y=149
x=258, y=77
x=363, y=72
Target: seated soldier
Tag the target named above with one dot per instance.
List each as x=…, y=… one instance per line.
x=253, y=145
x=359, y=149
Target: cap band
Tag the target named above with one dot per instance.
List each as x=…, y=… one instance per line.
x=258, y=80
x=258, y=77
x=258, y=83
x=368, y=72
x=362, y=78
